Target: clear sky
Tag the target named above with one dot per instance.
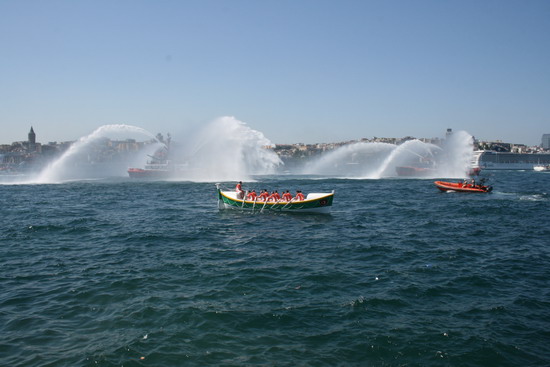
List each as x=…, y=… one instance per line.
x=296, y=70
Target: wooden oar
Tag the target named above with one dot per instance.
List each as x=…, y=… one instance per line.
x=277, y=202
x=261, y=210
x=253, y=205
x=290, y=201
x=244, y=198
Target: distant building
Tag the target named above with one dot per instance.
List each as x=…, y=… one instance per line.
x=32, y=136
x=545, y=141
x=32, y=141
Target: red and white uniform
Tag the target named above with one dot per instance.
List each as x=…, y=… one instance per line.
x=239, y=190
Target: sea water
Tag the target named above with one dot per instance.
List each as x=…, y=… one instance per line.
x=131, y=273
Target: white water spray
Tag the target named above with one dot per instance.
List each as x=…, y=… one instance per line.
x=228, y=150
x=379, y=160
x=353, y=160
x=458, y=151
x=409, y=153
x=74, y=163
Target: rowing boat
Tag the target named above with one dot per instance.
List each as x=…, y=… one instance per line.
x=313, y=203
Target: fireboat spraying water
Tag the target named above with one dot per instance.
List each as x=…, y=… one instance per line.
x=223, y=150
x=227, y=149
x=159, y=165
x=411, y=158
x=87, y=158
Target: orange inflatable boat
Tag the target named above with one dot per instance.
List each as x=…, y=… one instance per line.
x=461, y=187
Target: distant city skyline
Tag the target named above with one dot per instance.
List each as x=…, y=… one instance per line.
x=32, y=138
x=307, y=71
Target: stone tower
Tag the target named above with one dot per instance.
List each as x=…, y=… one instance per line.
x=32, y=137
x=31, y=144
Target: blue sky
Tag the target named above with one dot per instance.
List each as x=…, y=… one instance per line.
x=297, y=70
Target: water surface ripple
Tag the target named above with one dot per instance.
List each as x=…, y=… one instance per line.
x=126, y=273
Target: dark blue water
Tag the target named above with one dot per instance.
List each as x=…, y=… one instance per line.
x=126, y=273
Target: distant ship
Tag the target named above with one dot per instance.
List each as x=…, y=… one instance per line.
x=156, y=170
x=158, y=167
x=492, y=160
x=429, y=168
x=415, y=171
x=424, y=167
x=151, y=171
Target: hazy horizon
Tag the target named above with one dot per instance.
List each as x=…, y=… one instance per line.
x=182, y=136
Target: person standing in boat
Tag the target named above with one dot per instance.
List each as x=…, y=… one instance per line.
x=299, y=196
x=239, y=190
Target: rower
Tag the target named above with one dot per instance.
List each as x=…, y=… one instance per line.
x=264, y=195
x=299, y=196
x=251, y=195
x=287, y=196
x=274, y=196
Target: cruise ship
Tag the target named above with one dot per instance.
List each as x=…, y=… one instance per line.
x=492, y=160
